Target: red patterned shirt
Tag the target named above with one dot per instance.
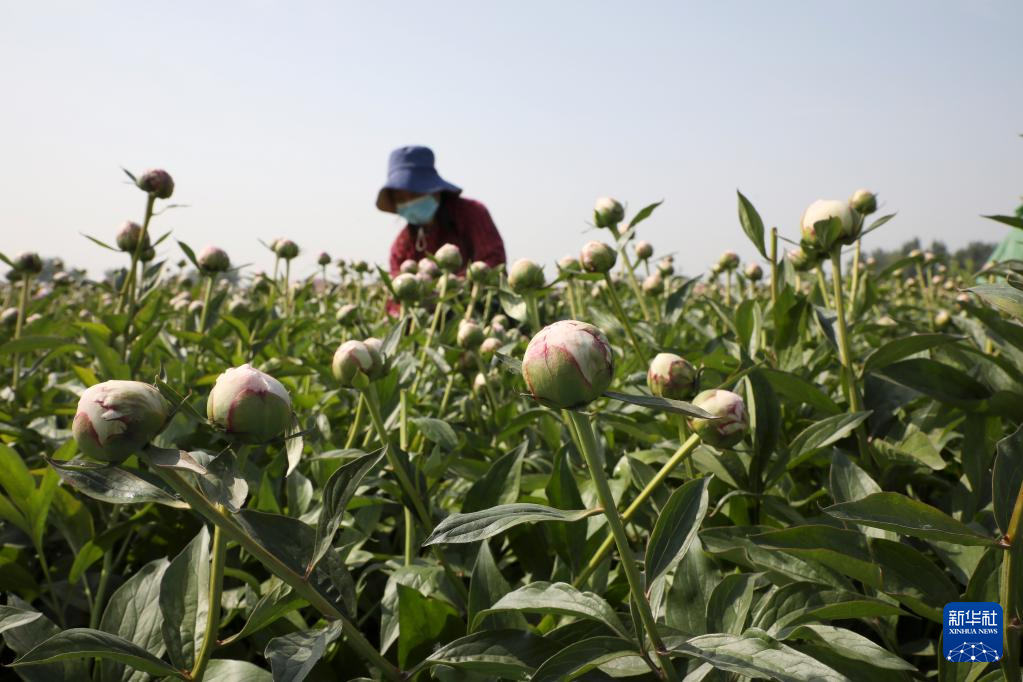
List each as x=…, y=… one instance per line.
x=463, y=222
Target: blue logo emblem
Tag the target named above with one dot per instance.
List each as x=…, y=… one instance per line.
x=973, y=632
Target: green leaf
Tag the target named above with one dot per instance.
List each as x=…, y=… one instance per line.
x=424, y=623
x=277, y=601
x=644, y=213
x=676, y=527
x=32, y=343
x=185, y=602
x=582, y=657
x=1007, y=477
x=12, y=617
x=560, y=599
x=460, y=528
x=845, y=551
x=109, y=483
x=899, y=349
x=293, y=656
x=437, y=431
x=133, y=614
x=486, y=586
x=100, y=347
x=822, y=434
x=495, y=653
x=913, y=579
x=847, y=643
x=222, y=483
x=1011, y=221
x=337, y=493
x=226, y=670
x=904, y=515
x=751, y=223
x=663, y=404
x=1005, y=297
x=499, y=485
x=86, y=643
x=99, y=243
x=189, y=253
x=756, y=654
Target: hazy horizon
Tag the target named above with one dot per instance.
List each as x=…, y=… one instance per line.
x=276, y=119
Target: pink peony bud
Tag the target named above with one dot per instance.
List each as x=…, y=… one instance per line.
x=129, y=235
x=608, y=212
x=644, y=250
x=249, y=404
x=671, y=376
x=525, y=276
x=117, y=418
x=568, y=364
x=449, y=258
x=157, y=182
x=212, y=259
x=597, y=257
x=732, y=423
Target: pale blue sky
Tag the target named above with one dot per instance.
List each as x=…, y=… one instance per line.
x=276, y=118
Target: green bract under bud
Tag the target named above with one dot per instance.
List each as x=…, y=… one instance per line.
x=644, y=250
x=28, y=263
x=568, y=364
x=732, y=422
x=157, y=182
x=352, y=360
x=449, y=258
x=128, y=237
x=671, y=376
x=863, y=201
x=597, y=257
x=285, y=248
x=117, y=418
x=815, y=219
x=525, y=276
x=249, y=405
x=212, y=259
x=608, y=212
x=407, y=288
x=470, y=334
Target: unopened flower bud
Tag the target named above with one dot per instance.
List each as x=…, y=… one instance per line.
x=754, y=272
x=653, y=284
x=800, y=259
x=323, y=259
x=117, y=418
x=863, y=201
x=249, y=405
x=470, y=334
x=407, y=288
x=916, y=254
x=351, y=359
x=28, y=263
x=525, y=276
x=380, y=366
x=195, y=307
x=732, y=422
x=942, y=320
x=597, y=257
x=479, y=383
x=147, y=255
x=608, y=212
x=728, y=261
x=479, y=272
x=429, y=268
x=361, y=266
x=490, y=346
x=824, y=210
x=129, y=235
x=157, y=182
x=568, y=364
x=929, y=257
x=643, y=250
x=9, y=317
x=671, y=376
x=409, y=266
x=213, y=259
x=285, y=248
x=666, y=266
x=449, y=258
x=346, y=314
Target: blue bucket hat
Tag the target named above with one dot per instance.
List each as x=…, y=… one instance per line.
x=412, y=169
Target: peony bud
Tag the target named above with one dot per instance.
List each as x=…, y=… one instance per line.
x=728, y=261
x=346, y=314
x=212, y=260
x=666, y=266
x=863, y=201
x=916, y=254
x=568, y=364
x=28, y=263
x=569, y=264
x=800, y=259
x=250, y=405
x=826, y=209
x=129, y=235
x=643, y=250
x=407, y=288
x=607, y=212
x=361, y=267
x=480, y=272
x=429, y=268
x=117, y=418
x=754, y=272
x=351, y=359
x=598, y=257
x=490, y=346
x=380, y=366
x=147, y=255
x=732, y=423
x=157, y=182
x=929, y=257
x=323, y=259
x=449, y=258
x=671, y=376
x=8, y=317
x=286, y=249
x=479, y=383
x=942, y=320
x=470, y=334
x=525, y=276
x=409, y=266
x=653, y=284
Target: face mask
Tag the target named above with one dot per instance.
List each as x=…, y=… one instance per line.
x=419, y=211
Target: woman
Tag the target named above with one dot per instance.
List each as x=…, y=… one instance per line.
x=435, y=213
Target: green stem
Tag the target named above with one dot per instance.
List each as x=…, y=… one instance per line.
x=129, y=278
x=633, y=282
x=1008, y=592
x=774, y=265
x=628, y=562
x=403, y=441
x=216, y=589
x=623, y=318
x=728, y=288
x=822, y=285
x=434, y=323
x=533, y=311
x=852, y=392
x=209, y=511
x=854, y=286
x=206, y=296
x=472, y=301
x=18, y=325
x=356, y=426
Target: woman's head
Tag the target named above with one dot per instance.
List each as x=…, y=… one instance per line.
x=411, y=179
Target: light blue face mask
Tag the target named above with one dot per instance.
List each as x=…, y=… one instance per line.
x=418, y=211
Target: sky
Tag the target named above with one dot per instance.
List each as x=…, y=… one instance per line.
x=276, y=119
